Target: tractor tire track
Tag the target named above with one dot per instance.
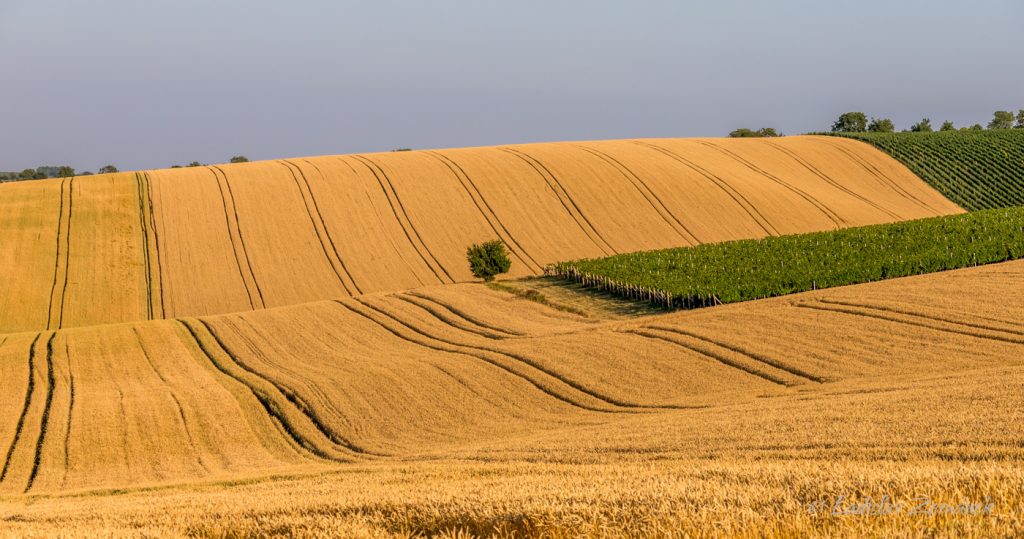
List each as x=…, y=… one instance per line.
x=323, y=223
x=711, y=354
x=795, y=371
x=487, y=211
x=563, y=196
x=156, y=243
x=824, y=209
x=520, y=359
x=652, y=198
x=400, y=212
x=931, y=317
x=269, y=403
x=177, y=402
x=291, y=396
x=722, y=185
x=454, y=349
x=67, y=251
x=29, y=393
x=239, y=244
x=308, y=388
x=144, y=230
x=71, y=415
x=825, y=177
x=313, y=223
x=879, y=175
x=44, y=422
x=56, y=256
x=447, y=318
x=888, y=318
x=463, y=315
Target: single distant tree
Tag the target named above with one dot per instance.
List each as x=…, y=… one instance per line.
x=924, y=126
x=768, y=132
x=488, y=259
x=947, y=126
x=881, y=125
x=402, y=150
x=976, y=127
x=239, y=159
x=66, y=172
x=109, y=169
x=1001, y=119
x=28, y=174
x=1020, y=119
x=194, y=164
x=86, y=173
x=851, y=122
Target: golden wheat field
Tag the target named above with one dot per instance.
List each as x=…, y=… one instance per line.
x=296, y=348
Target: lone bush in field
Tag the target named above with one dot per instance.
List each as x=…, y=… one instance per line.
x=488, y=259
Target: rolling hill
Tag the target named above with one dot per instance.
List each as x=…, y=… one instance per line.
x=230, y=238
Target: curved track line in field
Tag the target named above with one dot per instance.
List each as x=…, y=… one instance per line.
x=454, y=349
x=722, y=185
x=817, y=172
x=291, y=396
x=449, y=318
x=241, y=236
x=29, y=392
x=399, y=210
x=795, y=371
x=926, y=316
x=878, y=174
x=144, y=229
x=463, y=315
x=71, y=414
x=563, y=196
x=56, y=256
x=487, y=211
x=174, y=396
x=645, y=190
x=878, y=316
x=824, y=209
x=711, y=354
x=67, y=251
x=269, y=403
x=323, y=223
x=156, y=242
x=232, y=232
x=312, y=222
x=44, y=422
x=522, y=360
x=308, y=387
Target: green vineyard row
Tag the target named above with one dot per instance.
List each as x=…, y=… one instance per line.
x=711, y=274
x=978, y=170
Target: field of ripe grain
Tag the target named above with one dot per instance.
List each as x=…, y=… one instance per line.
x=431, y=370
x=431, y=411
x=230, y=238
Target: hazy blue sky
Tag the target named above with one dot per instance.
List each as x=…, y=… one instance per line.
x=145, y=84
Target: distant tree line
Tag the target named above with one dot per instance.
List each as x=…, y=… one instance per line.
x=64, y=171
x=857, y=122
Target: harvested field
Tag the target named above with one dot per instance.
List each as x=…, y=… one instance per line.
x=230, y=238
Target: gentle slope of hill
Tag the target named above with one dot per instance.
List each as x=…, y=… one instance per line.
x=200, y=241
x=435, y=372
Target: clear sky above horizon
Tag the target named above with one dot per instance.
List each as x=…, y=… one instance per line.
x=156, y=83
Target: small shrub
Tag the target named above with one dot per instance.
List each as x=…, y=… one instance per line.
x=488, y=259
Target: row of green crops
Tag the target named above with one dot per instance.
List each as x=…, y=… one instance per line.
x=710, y=274
x=976, y=169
